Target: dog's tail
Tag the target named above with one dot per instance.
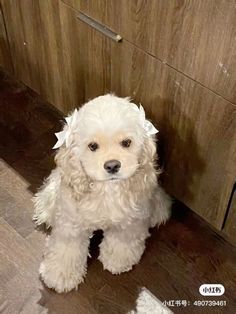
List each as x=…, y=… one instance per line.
x=45, y=200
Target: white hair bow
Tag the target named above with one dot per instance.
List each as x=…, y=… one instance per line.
x=64, y=136
x=147, y=125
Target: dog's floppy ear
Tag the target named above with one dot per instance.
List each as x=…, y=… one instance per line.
x=72, y=171
x=149, y=154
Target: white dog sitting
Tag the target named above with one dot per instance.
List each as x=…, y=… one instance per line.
x=105, y=179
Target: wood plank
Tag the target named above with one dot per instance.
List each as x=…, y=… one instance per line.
x=16, y=205
x=21, y=290
x=213, y=264
x=18, y=270
x=197, y=129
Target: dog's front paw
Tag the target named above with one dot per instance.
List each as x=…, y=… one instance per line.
x=63, y=279
x=120, y=258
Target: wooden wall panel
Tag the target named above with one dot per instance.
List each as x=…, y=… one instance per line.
x=5, y=55
x=197, y=129
x=196, y=37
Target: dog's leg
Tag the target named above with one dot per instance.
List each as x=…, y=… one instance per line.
x=123, y=248
x=45, y=200
x=65, y=261
x=160, y=207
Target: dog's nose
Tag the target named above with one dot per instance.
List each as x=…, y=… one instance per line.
x=112, y=166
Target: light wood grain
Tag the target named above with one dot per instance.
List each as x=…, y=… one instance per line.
x=197, y=129
x=16, y=204
x=18, y=270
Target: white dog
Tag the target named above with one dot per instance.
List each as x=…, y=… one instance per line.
x=105, y=179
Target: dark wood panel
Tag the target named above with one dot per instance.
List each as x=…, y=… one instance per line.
x=5, y=56
x=197, y=129
x=195, y=37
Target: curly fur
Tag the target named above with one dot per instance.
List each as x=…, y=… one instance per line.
x=80, y=196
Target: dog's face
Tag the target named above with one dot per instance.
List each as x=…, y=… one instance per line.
x=111, y=156
x=109, y=138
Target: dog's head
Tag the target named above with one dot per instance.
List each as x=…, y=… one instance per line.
x=110, y=138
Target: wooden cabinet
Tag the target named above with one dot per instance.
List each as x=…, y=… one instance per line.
x=197, y=129
x=196, y=37
x=176, y=58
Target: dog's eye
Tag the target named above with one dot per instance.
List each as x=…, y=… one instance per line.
x=93, y=146
x=126, y=143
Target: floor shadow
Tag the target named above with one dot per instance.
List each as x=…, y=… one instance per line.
x=27, y=127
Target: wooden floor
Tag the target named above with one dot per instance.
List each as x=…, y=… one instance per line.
x=179, y=257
